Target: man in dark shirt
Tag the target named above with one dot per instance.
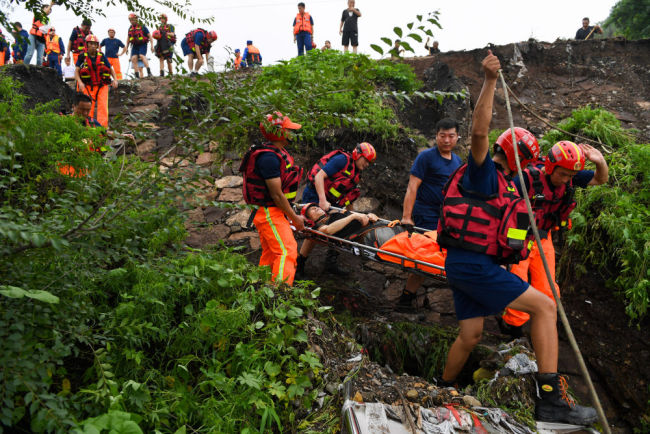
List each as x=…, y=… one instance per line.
x=433, y=49
x=586, y=30
x=349, y=28
x=112, y=46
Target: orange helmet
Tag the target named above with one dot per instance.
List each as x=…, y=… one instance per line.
x=276, y=126
x=163, y=16
x=156, y=34
x=364, y=149
x=526, y=145
x=91, y=38
x=565, y=154
x=131, y=16
x=212, y=35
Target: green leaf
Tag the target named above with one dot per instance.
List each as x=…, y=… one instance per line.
x=387, y=41
x=40, y=295
x=419, y=17
x=377, y=48
x=415, y=36
x=407, y=46
x=410, y=26
x=398, y=31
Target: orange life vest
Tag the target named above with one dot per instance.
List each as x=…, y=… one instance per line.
x=422, y=247
x=253, y=57
x=303, y=24
x=36, y=25
x=52, y=44
x=238, y=62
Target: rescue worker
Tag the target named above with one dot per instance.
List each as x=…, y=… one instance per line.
x=5, y=54
x=238, y=59
x=430, y=172
x=252, y=55
x=54, y=50
x=94, y=75
x=165, y=34
x=587, y=31
x=303, y=30
x=37, y=36
x=479, y=241
x=551, y=185
x=334, y=180
x=21, y=45
x=77, y=42
x=137, y=38
x=82, y=106
x=196, y=45
x=112, y=46
x=270, y=182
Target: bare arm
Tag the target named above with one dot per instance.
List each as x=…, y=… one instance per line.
x=601, y=175
x=69, y=52
x=409, y=199
x=338, y=225
x=357, y=12
x=275, y=189
x=483, y=111
x=319, y=185
x=77, y=77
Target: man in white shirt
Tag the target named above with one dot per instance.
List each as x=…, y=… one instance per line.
x=68, y=70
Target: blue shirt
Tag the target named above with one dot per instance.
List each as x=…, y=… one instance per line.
x=434, y=170
x=82, y=57
x=331, y=168
x=267, y=165
x=112, y=46
x=23, y=41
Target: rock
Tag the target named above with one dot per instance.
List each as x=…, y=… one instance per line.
x=213, y=213
x=146, y=147
x=231, y=195
x=253, y=239
x=210, y=197
x=412, y=395
x=394, y=290
x=332, y=388
x=206, y=236
x=366, y=204
x=229, y=182
x=239, y=220
x=470, y=401
x=196, y=216
x=205, y=159
x=144, y=109
x=174, y=162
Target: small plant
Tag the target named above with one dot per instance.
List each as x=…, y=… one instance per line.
x=414, y=31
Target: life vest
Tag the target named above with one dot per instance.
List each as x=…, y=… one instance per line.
x=79, y=44
x=205, y=45
x=253, y=57
x=341, y=188
x=255, y=190
x=95, y=73
x=552, y=206
x=36, y=26
x=166, y=30
x=496, y=225
x=238, y=62
x=137, y=36
x=52, y=44
x=303, y=23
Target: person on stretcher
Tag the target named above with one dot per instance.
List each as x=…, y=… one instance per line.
x=365, y=229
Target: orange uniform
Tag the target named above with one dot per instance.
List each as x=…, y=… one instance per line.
x=115, y=63
x=279, y=247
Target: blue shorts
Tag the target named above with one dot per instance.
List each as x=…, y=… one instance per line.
x=482, y=289
x=426, y=222
x=139, y=49
x=186, y=48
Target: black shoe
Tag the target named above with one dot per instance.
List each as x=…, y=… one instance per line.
x=193, y=74
x=405, y=301
x=555, y=405
x=149, y=74
x=514, y=332
x=162, y=73
x=137, y=75
x=300, y=268
x=332, y=265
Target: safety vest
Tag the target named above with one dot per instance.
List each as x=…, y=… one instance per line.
x=303, y=23
x=79, y=44
x=36, y=26
x=137, y=36
x=253, y=57
x=255, y=190
x=52, y=44
x=237, y=62
x=496, y=225
x=95, y=73
x=205, y=45
x=341, y=188
x=552, y=205
x=166, y=30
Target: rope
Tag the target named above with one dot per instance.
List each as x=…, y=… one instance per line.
x=551, y=280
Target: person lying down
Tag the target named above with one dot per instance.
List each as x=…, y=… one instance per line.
x=366, y=229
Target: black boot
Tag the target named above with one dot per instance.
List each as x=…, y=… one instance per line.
x=137, y=74
x=332, y=265
x=162, y=73
x=405, y=301
x=149, y=74
x=555, y=405
x=514, y=332
x=300, y=268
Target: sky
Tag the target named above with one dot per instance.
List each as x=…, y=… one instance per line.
x=465, y=24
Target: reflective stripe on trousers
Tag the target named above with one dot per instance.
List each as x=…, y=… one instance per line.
x=279, y=247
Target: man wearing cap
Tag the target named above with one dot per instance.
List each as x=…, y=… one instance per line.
x=252, y=55
x=54, y=50
x=270, y=183
x=238, y=64
x=112, y=46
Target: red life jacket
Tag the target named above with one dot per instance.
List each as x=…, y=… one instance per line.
x=341, y=188
x=496, y=225
x=255, y=190
x=95, y=73
x=303, y=24
x=205, y=45
x=166, y=30
x=137, y=36
x=552, y=205
x=79, y=44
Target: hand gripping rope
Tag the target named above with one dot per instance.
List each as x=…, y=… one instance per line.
x=565, y=321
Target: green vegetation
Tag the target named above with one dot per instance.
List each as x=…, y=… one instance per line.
x=629, y=18
x=414, y=31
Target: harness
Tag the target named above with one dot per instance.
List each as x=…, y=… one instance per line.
x=496, y=225
x=552, y=205
x=79, y=44
x=255, y=189
x=166, y=30
x=253, y=57
x=204, y=46
x=342, y=187
x=137, y=36
x=97, y=73
x=303, y=23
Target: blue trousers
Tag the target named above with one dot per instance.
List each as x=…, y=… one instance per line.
x=34, y=45
x=303, y=39
x=53, y=62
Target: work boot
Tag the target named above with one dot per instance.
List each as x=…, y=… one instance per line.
x=332, y=266
x=300, y=268
x=193, y=74
x=555, y=405
x=137, y=74
x=162, y=73
x=514, y=332
x=149, y=74
x=405, y=301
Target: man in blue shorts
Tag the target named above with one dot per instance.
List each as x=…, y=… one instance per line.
x=137, y=38
x=479, y=241
x=429, y=174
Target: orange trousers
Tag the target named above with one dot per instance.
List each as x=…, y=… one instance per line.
x=99, y=108
x=2, y=58
x=115, y=63
x=534, y=266
x=279, y=247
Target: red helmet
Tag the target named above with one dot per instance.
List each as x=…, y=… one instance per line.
x=91, y=38
x=131, y=16
x=275, y=127
x=212, y=35
x=163, y=16
x=303, y=212
x=156, y=34
x=565, y=154
x=526, y=145
x=364, y=149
